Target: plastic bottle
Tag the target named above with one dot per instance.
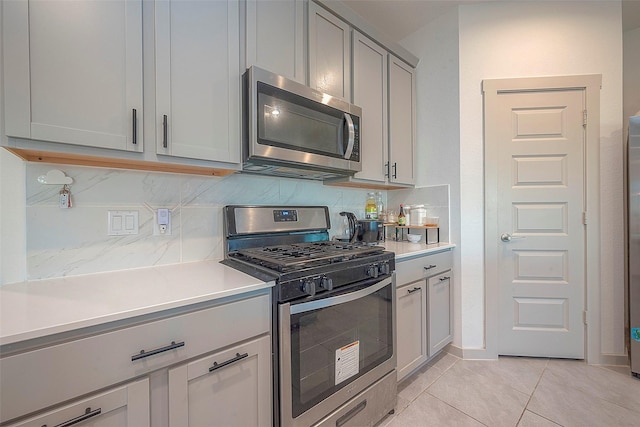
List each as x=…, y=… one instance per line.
x=380, y=205
x=371, y=209
x=402, y=220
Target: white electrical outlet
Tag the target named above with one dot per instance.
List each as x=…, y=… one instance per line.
x=162, y=222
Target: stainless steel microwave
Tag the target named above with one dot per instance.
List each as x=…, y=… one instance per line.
x=295, y=131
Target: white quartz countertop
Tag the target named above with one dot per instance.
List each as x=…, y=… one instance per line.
x=39, y=308
x=405, y=250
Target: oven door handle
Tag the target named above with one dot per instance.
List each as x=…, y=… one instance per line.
x=340, y=299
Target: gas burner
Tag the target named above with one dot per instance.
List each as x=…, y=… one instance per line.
x=304, y=255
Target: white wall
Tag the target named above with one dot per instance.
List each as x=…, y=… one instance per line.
x=527, y=39
x=631, y=72
x=12, y=219
x=508, y=40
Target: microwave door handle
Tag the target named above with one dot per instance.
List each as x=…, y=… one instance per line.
x=352, y=136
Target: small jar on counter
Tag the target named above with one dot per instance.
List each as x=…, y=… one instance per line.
x=418, y=215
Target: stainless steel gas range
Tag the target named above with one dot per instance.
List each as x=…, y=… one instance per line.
x=333, y=314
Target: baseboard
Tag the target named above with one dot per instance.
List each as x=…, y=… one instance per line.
x=614, y=360
x=454, y=350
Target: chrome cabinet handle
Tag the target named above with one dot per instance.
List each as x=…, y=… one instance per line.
x=386, y=166
x=144, y=354
x=410, y=291
x=217, y=365
x=135, y=127
x=429, y=267
x=88, y=413
x=444, y=278
x=506, y=237
x=395, y=170
x=164, y=131
x=352, y=136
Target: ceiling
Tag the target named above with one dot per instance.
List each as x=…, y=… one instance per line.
x=400, y=18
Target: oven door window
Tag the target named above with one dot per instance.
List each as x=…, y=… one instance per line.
x=333, y=346
x=290, y=121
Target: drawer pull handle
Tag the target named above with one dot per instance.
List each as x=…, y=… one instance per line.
x=430, y=267
x=144, y=354
x=164, y=131
x=410, y=291
x=442, y=279
x=88, y=413
x=135, y=127
x=217, y=365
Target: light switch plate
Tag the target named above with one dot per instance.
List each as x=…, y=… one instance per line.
x=122, y=223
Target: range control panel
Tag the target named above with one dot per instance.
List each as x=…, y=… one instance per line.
x=285, y=215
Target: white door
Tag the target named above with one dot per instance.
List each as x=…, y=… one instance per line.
x=539, y=141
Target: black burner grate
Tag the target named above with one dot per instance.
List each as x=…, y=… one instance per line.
x=304, y=255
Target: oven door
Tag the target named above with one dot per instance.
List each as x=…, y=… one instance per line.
x=333, y=348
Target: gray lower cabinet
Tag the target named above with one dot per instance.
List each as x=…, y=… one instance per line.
x=424, y=297
x=411, y=308
x=228, y=388
x=440, y=314
x=126, y=406
x=211, y=356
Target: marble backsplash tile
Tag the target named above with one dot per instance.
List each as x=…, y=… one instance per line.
x=63, y=242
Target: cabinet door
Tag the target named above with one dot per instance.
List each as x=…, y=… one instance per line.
x=411, y=303
x=329, y=53
x=229, y=388
x=440, y=312
x=198, y=79
x=370, y=93
x=123, y=406
x=73, y=72
x=275, y=37
x=402, y=108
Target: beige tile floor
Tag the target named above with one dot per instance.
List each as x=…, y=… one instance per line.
x=516, y=391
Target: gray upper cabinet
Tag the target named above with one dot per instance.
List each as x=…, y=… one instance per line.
x=402, y=123
x=329, y=53
x=370, y=93
x=275, y=34
x=198, y=79
x=73, y=72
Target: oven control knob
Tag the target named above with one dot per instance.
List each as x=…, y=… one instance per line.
x=372, y=271
x=384, y=268
x=308, y=287
x=326, y=283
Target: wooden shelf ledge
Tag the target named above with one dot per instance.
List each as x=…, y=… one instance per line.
x=106, y=162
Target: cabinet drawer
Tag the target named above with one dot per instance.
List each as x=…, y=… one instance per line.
x=54, y=374
x=126, y=406
x=422, y=267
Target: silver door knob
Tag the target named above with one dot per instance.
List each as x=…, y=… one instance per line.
x=506, y=237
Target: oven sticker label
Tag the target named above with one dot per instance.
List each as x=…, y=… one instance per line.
x=347, y=361
x=635, y=334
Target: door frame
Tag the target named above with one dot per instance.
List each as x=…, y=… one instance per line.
x=491, y=88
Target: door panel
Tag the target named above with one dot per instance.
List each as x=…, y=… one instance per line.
x=540, y=200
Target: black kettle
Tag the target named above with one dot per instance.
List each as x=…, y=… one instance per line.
x=364, y=230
